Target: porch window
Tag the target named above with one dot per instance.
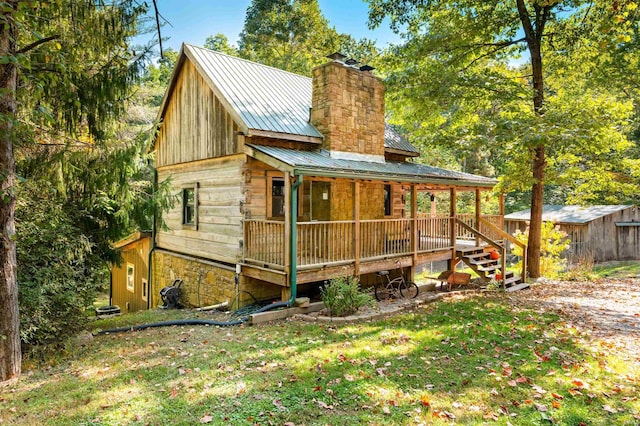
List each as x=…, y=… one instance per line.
x=387, y=200
x=130, y=277
x=190, y=206
x=277, y=198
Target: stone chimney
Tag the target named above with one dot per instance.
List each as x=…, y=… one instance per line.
x=347, y=107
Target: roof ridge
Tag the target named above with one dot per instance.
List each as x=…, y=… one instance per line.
x=247, y=60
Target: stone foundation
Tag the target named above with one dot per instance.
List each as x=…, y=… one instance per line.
x=205, y=283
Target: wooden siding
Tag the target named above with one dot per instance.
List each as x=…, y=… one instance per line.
x=220, y=206
x=136, y=254
x=599, y=239
x=195, y=124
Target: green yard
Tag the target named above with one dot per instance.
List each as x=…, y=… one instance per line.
x=464, y=360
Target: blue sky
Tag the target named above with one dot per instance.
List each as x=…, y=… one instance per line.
x=192, y=21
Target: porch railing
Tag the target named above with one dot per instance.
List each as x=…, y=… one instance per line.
x=333, y=242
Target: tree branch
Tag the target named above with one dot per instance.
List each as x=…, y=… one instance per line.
x=155, y=7
x=37, y=43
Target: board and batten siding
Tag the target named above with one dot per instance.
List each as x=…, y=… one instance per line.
x=195, y=124
x=220, y=207
x=136, y=254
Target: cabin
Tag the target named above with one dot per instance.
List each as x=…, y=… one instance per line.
x=129, y=287
x=285, y=181
x=605, y=232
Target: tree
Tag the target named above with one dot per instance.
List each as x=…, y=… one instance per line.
x=293, y=35
x=471, y=43
x=74, y=69
x=220, y=43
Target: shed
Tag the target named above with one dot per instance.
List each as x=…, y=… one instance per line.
x=606, y=232
x=130, y=278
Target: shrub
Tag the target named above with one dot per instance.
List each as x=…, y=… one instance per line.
x=581, y=269
x=343, y=296
x=553, y=243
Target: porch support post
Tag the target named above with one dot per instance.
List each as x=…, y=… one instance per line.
x=478, y=214
x=454, y=226
x=356, y=227
x=415, y=237
x=501, y=211
x=286, y=291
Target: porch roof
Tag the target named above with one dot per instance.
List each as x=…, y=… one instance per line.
x=321, y=163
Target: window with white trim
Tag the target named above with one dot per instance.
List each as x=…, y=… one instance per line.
x=131, y=277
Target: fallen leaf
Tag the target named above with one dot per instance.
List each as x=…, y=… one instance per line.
x=425, y=401
x=556, y=396
x=206, y=419
x=555, y=404
x=609, y=409
x=541, y=407
x=575, y=392
x=174, y=393
x=349, y=378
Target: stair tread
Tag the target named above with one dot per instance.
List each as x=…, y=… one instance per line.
x=518, y=287
x=483, y=255
x=483, y=262
x=469, y=249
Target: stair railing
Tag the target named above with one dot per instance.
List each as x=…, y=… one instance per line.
x=502, y=248
x=512, y=239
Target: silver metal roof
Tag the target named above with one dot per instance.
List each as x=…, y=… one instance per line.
x=569, y=214
x=267, y=98
x=320, y=163
x=394, y=140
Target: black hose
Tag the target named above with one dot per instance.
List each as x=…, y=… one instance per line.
x=191, y=321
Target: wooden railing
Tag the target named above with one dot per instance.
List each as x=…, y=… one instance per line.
x=333, y=242
x=323, y=243
x=264, y=242
x=508, y=237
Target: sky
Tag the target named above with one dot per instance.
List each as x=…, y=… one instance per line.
x=192, y=21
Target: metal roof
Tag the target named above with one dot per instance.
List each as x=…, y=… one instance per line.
x=266, y=98
x=320, y=163
x=393, y=140
x=569, y=214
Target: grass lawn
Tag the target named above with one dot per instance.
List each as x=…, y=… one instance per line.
x=623, y=269
x=472, y=360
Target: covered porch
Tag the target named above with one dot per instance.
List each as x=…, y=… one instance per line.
x=376, y=216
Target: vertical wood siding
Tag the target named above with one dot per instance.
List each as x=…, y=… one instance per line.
x=195, y=126
x=137, y=254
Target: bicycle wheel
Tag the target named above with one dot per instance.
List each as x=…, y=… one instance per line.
x=409, y=290
x=382, y=292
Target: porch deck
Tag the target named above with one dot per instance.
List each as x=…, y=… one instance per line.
x=357, y=246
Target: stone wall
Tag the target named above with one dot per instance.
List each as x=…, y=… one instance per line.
x=348, y=109
x=205, y=284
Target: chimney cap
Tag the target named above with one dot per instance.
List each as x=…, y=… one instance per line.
x=350, y=61
x=367, y=68
x=337, y=56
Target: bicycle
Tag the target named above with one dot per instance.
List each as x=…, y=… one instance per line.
x=395, y=288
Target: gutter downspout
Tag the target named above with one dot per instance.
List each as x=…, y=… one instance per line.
x=153, y=244
x=293, y=241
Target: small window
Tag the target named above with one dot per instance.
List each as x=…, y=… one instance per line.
x=387, y=200
x=277, y=197
x=189, y=206
x=144, y=288
x=131, y=278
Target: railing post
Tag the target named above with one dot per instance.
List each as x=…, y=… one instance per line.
x=478, y=214
x=356, y=227
x=414, y=223
x=454, y=225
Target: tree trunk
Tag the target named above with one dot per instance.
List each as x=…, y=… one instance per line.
x=534, y=39
x=10, y=355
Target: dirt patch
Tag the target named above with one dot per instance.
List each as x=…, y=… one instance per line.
x=608, y=310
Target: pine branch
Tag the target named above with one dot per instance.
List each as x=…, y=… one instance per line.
x=37, y=43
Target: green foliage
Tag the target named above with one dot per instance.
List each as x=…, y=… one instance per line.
x=58, y=272
x=580, y=269
x=553, y=243
x=220, y=43
x=342, y=296
x=292, y=35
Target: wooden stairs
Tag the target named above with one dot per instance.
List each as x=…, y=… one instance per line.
x=480, y=261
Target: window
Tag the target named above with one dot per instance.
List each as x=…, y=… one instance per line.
x=277, y=197
x=130, y=278
x=144, y=289
x=387, y=200
x=190, y=206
